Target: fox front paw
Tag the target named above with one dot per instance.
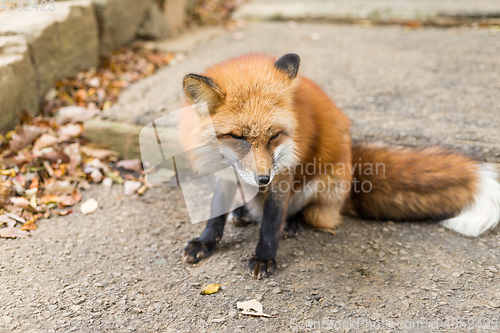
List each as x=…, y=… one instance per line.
x=261, y=268
x=197, y=250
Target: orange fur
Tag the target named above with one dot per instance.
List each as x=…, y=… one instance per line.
x=249, y=97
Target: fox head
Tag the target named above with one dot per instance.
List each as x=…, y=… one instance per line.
x=250, y=104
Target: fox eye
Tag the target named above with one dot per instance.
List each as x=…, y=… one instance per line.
x=234, y=136
x=275, y=136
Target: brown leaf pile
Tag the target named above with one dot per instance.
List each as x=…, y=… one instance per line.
x=212, y=11
x=100, y=88
x=44, y=162
x=43, y=168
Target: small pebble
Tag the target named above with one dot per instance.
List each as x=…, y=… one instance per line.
x=75, y=308
x=218, y=320
x=107, y=182
x=492, y=269
x=495, y=304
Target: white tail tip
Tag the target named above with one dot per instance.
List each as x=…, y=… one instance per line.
x=484, y=211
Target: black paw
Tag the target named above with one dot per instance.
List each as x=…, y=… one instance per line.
x=261, y=268
x=197, y=250
x=239, y=217
x=293, y=228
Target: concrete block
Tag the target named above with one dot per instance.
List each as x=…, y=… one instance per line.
x=61, y=42
x=119, y=21
x=175, y=12
x=376, y=10
x=155, y=25
x=17, y=81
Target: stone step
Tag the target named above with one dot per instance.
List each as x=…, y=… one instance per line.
x=418, y=87
x=67, y=37
x=61, y=42
x=17, y=80
x=443, y=12
x=119, y=21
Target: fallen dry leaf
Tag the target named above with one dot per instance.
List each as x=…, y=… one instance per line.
x=210, y=289
x=131, y=186
x=328, y=230
x=132, y=165
x=31, y=192
x=33, y=203
x=10, y=232
x=212, y=12
x=63, y=212
x=96, y=176
x=142, y=189
x=23, y=137
x=8, y=172
x=48, y=198
x=76, y=114
x=49, y=169
x=69, y=131
x=67, y=200
x=5, y=219
x=59, y=187
x=20, y=158
x=89, y=206
x=76, y=195
x=20, y=202
x=97, y=164
x=34, y=183
x=55, y=156
x=15, y=217
x=84, y=184
x=252, y=308
x=101, y=154
x=46, y=140
x=30, y=225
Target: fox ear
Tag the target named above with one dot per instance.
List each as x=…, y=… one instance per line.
x=289, y=63
x=199, y=88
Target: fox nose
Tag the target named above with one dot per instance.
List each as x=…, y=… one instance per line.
x=263, y=179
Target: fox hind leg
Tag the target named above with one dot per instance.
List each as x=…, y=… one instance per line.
x=321, y=215
x=294, y=226
x=323, y=209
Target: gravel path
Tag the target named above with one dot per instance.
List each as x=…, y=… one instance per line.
x=119, y=269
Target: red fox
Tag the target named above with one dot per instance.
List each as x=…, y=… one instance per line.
x=299, y=138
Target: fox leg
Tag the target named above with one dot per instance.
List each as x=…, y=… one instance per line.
x=239, y=217
x=203, y=246
x=322, y=216
x=249, y=213
x=323, y=210
x=263, y=263
x=293, y=226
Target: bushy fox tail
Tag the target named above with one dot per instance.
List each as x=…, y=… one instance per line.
x=417, y=184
